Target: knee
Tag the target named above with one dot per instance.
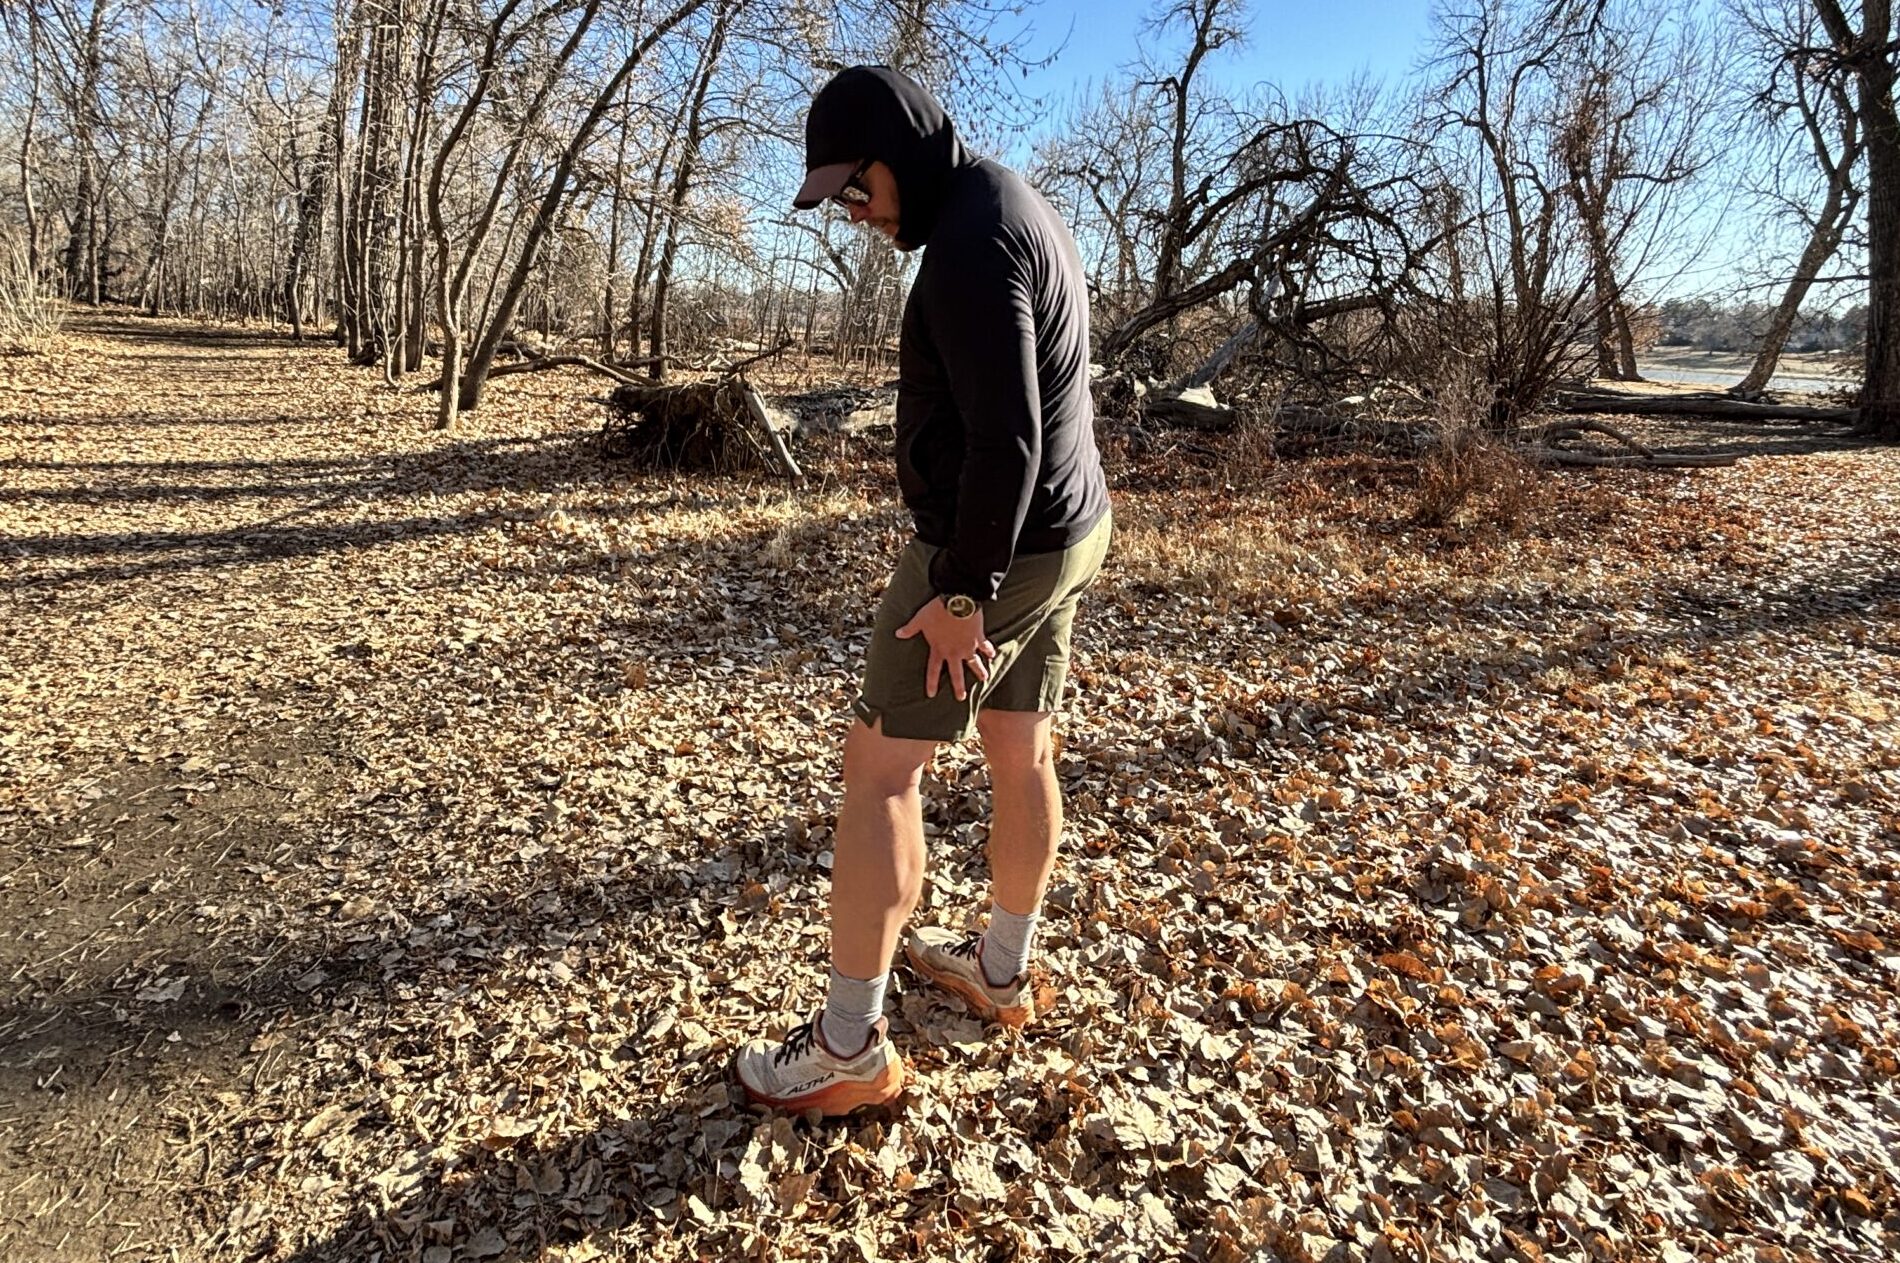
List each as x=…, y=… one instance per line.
x=883, y=767
x=1016, y=742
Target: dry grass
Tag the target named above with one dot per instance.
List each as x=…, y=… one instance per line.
x=1238, y=558
x=29, y=317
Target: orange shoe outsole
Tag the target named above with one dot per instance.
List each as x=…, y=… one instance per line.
x=841, y=1098
x=1016, y=1016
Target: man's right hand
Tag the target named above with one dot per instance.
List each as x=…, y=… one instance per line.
x=954, y=643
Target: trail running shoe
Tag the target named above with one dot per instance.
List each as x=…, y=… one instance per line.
x=954, y=962
x=800, y=1073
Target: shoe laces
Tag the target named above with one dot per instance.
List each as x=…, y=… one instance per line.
x=968, y=948
x=800, y=1041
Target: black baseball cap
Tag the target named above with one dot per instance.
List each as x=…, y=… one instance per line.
x=854, y=118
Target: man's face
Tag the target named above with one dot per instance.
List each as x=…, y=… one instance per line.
x=882, y=210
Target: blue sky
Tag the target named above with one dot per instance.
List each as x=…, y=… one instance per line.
x=1290, y=43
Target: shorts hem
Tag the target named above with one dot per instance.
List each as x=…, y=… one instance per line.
x=903, y=728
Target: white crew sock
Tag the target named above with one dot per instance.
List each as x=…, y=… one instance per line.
x=852, y=1006
x=1006, y=945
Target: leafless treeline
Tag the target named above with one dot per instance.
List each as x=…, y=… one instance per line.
x=432, y=180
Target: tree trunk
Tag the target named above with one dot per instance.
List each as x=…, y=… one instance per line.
x=1880, y=390
x=1605, y=319
x=351, y=316
x=1625, y=344
x=682, y=185
x=381, y=155
x=26, y=145
x=82, y=263
x=310, y=199
x=476, y=372
x=609, y=324
x=1822, y=243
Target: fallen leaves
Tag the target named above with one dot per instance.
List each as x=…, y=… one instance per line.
x=1530, y=900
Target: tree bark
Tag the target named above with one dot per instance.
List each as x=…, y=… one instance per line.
x=1880, y=389
x=1830, y=222
x=1822, y=244
x=26, y=144
x=82, y=262
x=1868, y=54
x=310, y=200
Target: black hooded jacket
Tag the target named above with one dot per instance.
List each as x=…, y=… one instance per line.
x=995, y=427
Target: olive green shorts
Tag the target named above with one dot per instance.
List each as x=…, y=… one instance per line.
x=1029, y=622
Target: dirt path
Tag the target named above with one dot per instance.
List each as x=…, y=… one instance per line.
x=159, y=771
x=398, y=832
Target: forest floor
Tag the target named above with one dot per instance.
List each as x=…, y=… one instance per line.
x=399, y=831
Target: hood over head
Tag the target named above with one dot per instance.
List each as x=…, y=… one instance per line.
x=873, y=112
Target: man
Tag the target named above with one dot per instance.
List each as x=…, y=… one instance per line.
x=997, y=463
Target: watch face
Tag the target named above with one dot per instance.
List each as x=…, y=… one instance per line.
x=960, y=606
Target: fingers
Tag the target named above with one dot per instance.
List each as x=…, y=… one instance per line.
x=977, y=661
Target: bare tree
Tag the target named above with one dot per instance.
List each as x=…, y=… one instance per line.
x=33, y=43
x=79, y=59
x=1189, y=199
x=1806, y=100
x=475, y=374
x=691, y=142
x=1629, y=131
x=1563, y=133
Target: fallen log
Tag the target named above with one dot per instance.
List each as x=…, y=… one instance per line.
x=1610, y=460
x=1543, y=446
x=1701, y=404
x=547, y=362
x=1195, y=408
x=844, y=410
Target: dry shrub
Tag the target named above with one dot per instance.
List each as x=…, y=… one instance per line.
x=1468, y=472
x=29, y=316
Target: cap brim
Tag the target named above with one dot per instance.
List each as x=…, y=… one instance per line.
x=821, y=183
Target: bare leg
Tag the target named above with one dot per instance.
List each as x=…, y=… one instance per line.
x=1026, y=806
x=877, y=868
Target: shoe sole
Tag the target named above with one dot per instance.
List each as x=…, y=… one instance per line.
x=1016, y=1016
x=840, y=1098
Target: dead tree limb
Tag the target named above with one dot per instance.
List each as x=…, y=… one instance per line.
x=756, y=406
x=741, y=365
x=1718, y=407
x=1603, y=460
x=1550, y=435
x=545, y=362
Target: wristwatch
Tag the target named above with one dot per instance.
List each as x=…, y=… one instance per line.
x=959, y=605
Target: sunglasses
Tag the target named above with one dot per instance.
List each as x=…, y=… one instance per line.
x=854, y=193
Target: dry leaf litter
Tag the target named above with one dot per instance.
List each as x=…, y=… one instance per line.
x=401, y=830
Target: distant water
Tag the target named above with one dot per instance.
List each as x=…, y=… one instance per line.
x=1707, y=377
